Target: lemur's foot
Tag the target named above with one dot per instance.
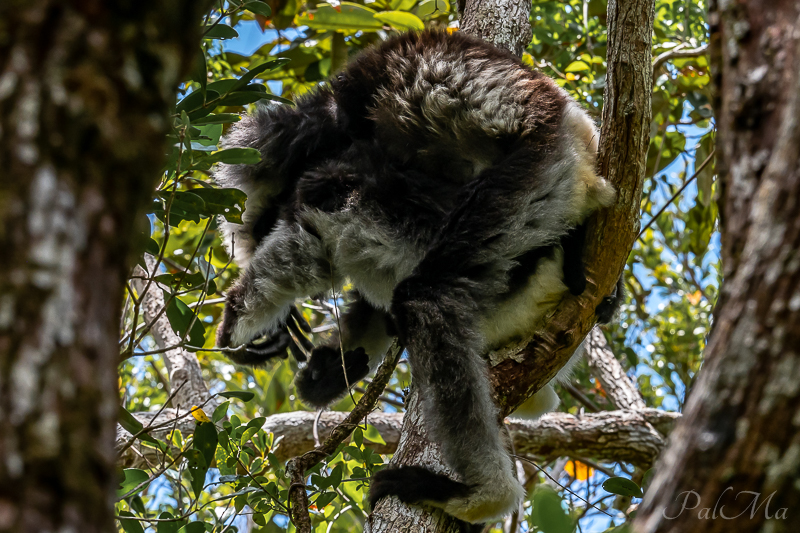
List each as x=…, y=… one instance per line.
x=414, y=484
x=323, y=380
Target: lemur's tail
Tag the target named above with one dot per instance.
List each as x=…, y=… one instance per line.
x=437, y=325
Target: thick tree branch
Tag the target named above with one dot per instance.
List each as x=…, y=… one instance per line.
x=609, y=372
x=503, y=23
x=624, y=139
x=87, y=89
x=624, y=435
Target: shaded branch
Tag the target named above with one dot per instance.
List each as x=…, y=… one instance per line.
x=678, y=53
x=609, y=372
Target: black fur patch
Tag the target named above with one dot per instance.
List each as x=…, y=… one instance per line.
x=414, y=484
x=574, y=273
x=322, y=380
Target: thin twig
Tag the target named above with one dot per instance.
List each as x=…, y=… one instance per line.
x=543, y=471
x=674, y=196
x=678, y=53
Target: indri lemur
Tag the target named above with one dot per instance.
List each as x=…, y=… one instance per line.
x=448, y=183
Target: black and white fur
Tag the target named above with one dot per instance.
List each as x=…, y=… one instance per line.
x=448, y=183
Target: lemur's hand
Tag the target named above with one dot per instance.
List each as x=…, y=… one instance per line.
x=287, y=338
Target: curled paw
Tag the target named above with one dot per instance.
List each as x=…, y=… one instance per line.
x=323, y=378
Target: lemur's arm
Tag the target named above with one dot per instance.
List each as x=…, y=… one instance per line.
x=288, y=264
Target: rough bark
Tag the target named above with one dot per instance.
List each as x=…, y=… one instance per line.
x=623, y=150
x=740, y=427
x=85, y=92
x=609, y=372
x=504, y=23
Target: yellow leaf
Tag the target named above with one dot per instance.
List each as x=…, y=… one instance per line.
x=200, y=415
x=579, y=470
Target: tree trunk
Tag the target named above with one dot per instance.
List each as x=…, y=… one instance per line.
x=623, y=149
x=85, y=93
x=740, y=435
x=504, y=23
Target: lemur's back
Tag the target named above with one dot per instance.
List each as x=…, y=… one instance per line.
x=451, y=105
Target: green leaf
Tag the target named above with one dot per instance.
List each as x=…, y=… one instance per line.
x=197, y=467
x=245, y=396
x=324, y=499
x=209, y=134
x=335, y=477
x=220, y=412
x=247, y=435
x=129, y=422
x=219, y=31
x=576, y=66
x=432, y=7
x=229, y=203
x=130, y=526
x=237, y=156
x=255, y=71
x=402, y=5
x=180, y=280
x=705, y=178
x=133, y=478
x=151, y=247
x=373, y=435
x=401, y=20
x=622, y=486
x=347, y=17
x=181, y=317
x=257, y=423
x=239, y=98
x=193, y=527
x=548, y=514
x=205, y=440
x=195, y=100
x=218, y=118
x=259, y=8
x=168, y=527
x=200, y=71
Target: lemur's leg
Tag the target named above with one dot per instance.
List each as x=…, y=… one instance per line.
x=513, y=208
x=289, y=263
x=364, y=338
